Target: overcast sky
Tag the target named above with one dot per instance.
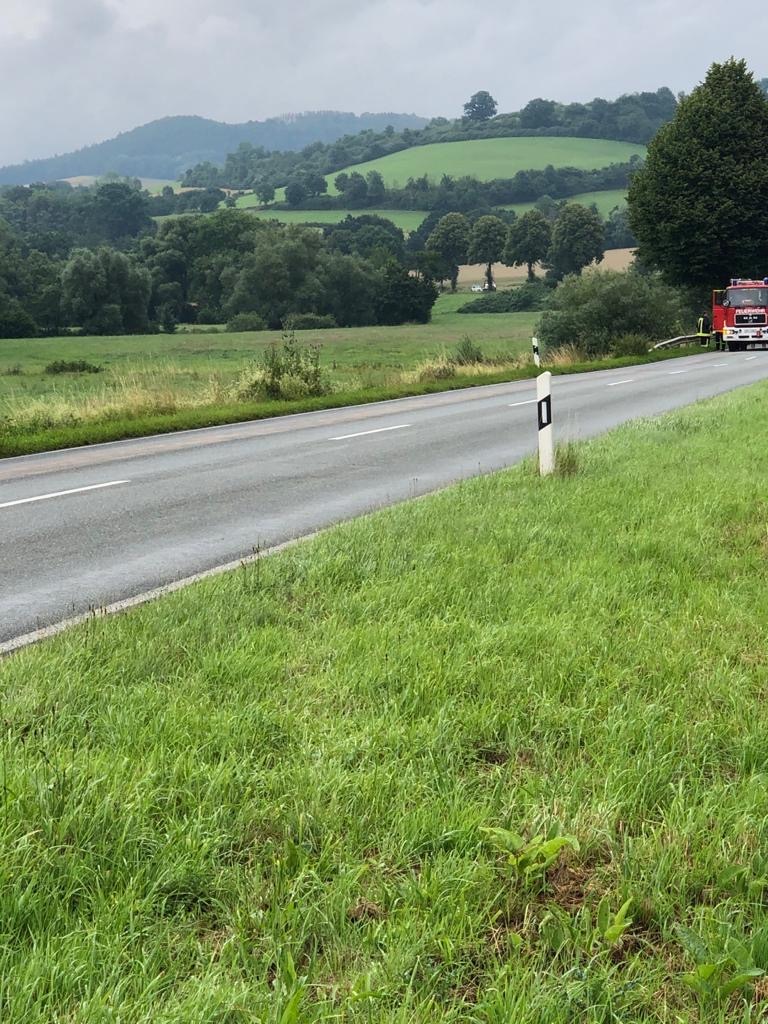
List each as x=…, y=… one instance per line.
x=74, y=72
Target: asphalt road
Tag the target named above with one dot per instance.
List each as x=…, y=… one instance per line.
x=86, y=527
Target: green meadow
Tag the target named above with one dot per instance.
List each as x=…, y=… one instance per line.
x=192, y=356
x=486, y=159
x=406, y=220
x=497, y=756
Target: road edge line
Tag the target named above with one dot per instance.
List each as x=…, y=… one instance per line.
x=17, y=643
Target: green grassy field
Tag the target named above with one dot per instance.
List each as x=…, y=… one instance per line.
x=409, y=220
x=485, y=159
x=495, y=158
x=193, y=357
x=151, y=383
x=282, y=795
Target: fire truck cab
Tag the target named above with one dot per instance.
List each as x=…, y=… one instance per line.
x=740, y=315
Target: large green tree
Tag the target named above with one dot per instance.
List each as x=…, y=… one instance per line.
x=578, y=239
x=450, y=238
x=481, y=106
x=486, y=244
x=528, y=243
x=699, y=205
x=106, y=292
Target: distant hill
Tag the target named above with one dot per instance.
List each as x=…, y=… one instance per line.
x=167, y=147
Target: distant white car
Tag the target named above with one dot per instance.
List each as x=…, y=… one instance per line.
x=477, y=287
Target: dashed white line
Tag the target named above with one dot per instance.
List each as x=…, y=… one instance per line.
x=716, y=364
x=614, y=383
x=531, y=401
x=749, y=358
x=673, y=372
x=61, y=494
x=362, y=433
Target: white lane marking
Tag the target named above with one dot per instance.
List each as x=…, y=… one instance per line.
x=716, y=364
x=61, y=494
x=673, y=372
x=613, y=383
x=362, y=433
x=749, y=357
x=531, y=401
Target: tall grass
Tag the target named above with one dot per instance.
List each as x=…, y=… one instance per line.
x=140, y=402
x=294, y=793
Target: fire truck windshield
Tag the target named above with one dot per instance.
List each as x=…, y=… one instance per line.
x=747, y=297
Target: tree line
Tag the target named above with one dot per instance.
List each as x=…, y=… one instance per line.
x=572, y=241
x=95, y=260
x=630, y=118
x=359, y=192
x=208, y=270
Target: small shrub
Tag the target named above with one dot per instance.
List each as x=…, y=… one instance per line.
x=293, y=387
x=597, y=309
x=630, y=345
x=467, y=352
x=246, y=322
x=168, y=319
x=72, y=366
x=309, y=322
x=293, y=366
x=206, y=315
x=531, y=296
x=250, y=383
x=13, y=371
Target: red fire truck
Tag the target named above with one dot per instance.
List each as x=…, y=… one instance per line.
x=740, y=315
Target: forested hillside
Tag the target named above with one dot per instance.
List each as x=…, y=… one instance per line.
x=167, y=147
x=632, y=118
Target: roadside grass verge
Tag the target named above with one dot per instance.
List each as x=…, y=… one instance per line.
x=275, y=796
x=66, y=421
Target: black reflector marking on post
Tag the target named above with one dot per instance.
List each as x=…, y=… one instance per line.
x=545, y=412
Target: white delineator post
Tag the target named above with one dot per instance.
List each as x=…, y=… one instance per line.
x=535, y=345
x=544, y=407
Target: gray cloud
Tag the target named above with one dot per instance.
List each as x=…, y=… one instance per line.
x=78, y=71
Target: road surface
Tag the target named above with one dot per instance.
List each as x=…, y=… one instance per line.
x=86, y=527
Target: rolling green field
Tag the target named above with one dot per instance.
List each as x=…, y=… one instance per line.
x=287, y=795
x=495, y=158
x=485, y=159
x=407, y=220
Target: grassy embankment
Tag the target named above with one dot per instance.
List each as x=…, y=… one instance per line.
x=158, y=383
x=266, y=798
